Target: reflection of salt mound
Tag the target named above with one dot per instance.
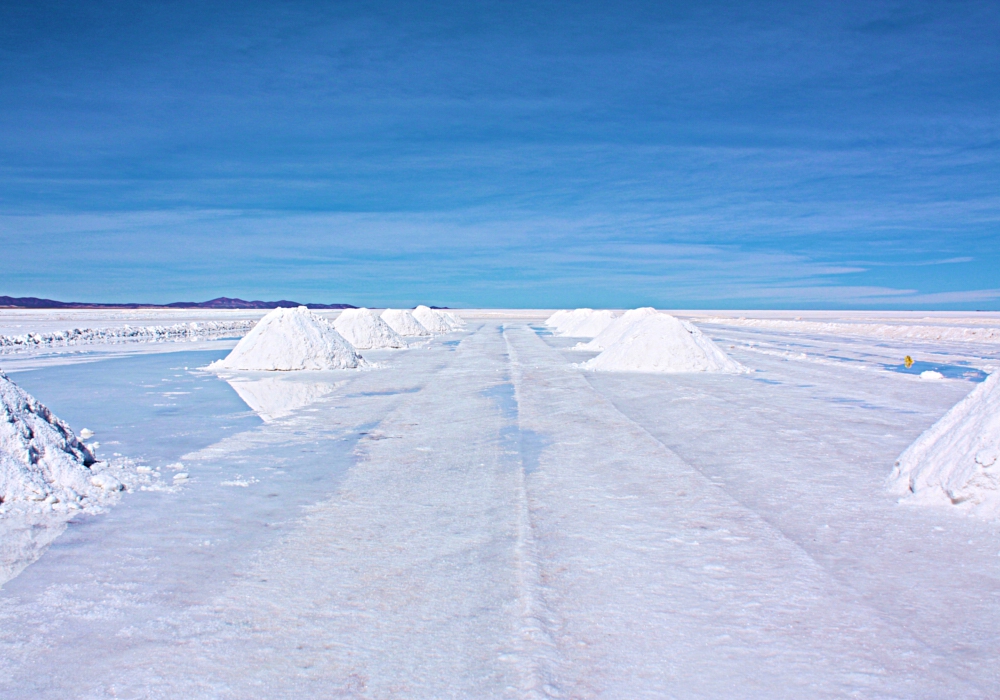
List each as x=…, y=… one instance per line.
x=662, y=343
x=957, y=460
x=403, y=322
x=618, y=328
x=431, y=320
x=291, y=339
x=364, y=329
x=40, y=457
x=275, y=397
x=588, y=325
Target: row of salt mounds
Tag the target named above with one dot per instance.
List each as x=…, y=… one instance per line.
x=365, y=330
x=957, y=460
x=40, y=457
x=403, y=322
x=662, y=343
x=291, y=339
x=618, y=328
x=431, y=320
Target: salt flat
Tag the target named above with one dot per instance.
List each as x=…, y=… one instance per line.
x=479, y=518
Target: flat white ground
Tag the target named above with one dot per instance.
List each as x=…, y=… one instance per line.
x=478, y=518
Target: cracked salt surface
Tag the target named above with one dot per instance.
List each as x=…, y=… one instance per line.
x=510, y=528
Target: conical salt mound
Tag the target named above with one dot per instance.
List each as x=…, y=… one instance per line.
x=588, y=325
x=403, y=322
x=618, y=328
x=452, y=320
x=561, y=320
x=431, y=320
x=957, y=460
x=558, y=317
x=662, y=343
x=291, y=339
x=365, y=330
x=39, y=454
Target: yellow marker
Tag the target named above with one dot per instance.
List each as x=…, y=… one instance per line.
x=907, y=362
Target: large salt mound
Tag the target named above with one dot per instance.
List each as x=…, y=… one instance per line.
x=957, y=460
x=662, y=343
x=431, y=320
x=403, y=322
x=618, y=328
x=291, y=339
x=40, y=457
x=365, y=330
x=588, y=325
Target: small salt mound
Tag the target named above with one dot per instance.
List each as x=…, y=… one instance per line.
x=291, y=339
x=565, y=319
x=957, y=460
x=431, y=320
x=588, y=325
x=662, y=343
x=40, y=457
x=365, y=330
x=403, y=322
x=618, y=328
x=452, y=320
x=558, y=317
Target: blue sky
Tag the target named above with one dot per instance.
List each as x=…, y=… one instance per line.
x=683, y=155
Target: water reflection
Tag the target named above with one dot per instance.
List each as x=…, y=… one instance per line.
x=272, y=396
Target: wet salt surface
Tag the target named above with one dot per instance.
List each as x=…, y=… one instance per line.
x=152, y=408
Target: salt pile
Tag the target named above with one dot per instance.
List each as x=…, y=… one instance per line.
x=662, y=343
x=431, y=320
x=558, y=317
x=561, y=320
x=452, y=320
x=618, y=328
x=365, y=330
x=403, y=322
x=41, y=460
x=291, y=339
x=591, y=325
x=957, y=460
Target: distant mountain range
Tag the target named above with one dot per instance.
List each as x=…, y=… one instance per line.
x=220, y=303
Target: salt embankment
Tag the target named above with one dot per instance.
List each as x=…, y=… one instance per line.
x=179, y=332
x=614, y=332
x=662, y=343
x=883, y=331
x=431, y=320
x=403, y=322
x=956, y=462
x=291, y=339
x=365, y=330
